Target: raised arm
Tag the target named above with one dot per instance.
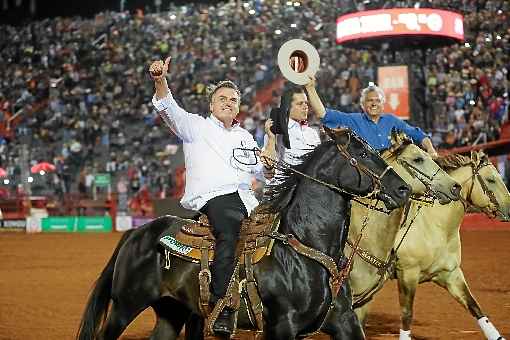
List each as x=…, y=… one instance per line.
x=314, y=99
x=182, y=123
x=158, y=71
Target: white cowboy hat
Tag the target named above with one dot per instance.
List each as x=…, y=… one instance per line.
x=298, y=60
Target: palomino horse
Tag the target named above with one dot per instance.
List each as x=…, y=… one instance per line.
x=375, y=260
x=313, y=203
x=432, y=248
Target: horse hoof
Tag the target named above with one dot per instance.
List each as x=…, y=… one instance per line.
x=405, y=335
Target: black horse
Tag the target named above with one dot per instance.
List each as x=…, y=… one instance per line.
x=314, y=205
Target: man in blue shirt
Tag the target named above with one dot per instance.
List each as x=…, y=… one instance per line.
x=372, y=125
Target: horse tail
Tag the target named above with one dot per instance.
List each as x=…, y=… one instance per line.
x=99, y=300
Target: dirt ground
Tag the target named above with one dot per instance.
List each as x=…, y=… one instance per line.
x=45, y=280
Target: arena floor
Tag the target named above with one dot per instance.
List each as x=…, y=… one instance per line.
x=45, y=280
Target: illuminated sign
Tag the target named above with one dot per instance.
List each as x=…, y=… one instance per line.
x=394, y=82
x=399, y=21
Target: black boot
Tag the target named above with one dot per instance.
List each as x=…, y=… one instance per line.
x=224, y=324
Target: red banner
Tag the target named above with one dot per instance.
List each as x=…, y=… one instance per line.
x=399, y=21
x=395, y=83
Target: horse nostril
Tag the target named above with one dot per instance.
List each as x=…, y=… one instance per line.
x=404, y=190
x=456, y=190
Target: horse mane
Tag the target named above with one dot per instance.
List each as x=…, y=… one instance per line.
x=278, y=196
x=399, y=142
x=452, y=161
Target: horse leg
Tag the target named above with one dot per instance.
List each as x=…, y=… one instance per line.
x=362, y=313
x=407, y=283
x=171, y=316
x=195, y=327
x=119, y=318
x=283, y=329
x=456, y=285
x=342, y=322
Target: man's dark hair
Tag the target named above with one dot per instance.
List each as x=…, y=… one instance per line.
x=211, y=89
x=288, y=93
x=280, y=115
x=291, y=89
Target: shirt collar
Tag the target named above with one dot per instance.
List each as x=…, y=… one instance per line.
x=235, y=122
x=365, y=115
x=301, y=123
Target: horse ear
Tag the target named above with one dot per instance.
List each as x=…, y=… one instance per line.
x=397, y=137
x=338, y=134
x=475, y=157
x=394, y=136
x=483, y=157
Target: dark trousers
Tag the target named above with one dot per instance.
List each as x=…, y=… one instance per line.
x=225, y=214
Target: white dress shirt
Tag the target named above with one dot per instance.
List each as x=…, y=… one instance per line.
x=302, y=138
x=211, y=168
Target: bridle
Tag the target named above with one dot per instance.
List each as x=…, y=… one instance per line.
x=467, y=202
x=421, y=176
x=343, y=149
x=386, y=266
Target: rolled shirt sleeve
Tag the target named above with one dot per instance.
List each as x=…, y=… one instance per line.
x=181, y=122
x=415, y=133
x=334, y=119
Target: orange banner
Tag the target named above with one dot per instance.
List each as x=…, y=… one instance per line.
x=395, y=83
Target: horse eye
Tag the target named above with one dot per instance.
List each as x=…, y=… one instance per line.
x=418, y=160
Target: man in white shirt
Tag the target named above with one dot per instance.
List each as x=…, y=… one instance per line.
x=301, y=138
x=220, y=160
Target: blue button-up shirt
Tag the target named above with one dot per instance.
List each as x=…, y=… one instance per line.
x=377, y=135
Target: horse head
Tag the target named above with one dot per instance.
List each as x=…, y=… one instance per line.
x=419, y=170
x=487, y=191
x=367, y=171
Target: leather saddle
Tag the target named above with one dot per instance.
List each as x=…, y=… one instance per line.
x=191, y=241
x=195, y=242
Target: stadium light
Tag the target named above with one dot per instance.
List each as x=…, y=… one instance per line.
x=6, y=181
x=30, y=179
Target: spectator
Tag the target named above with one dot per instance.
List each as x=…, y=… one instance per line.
x=82, y=88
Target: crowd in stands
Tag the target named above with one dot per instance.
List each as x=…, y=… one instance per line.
x=76, y=92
